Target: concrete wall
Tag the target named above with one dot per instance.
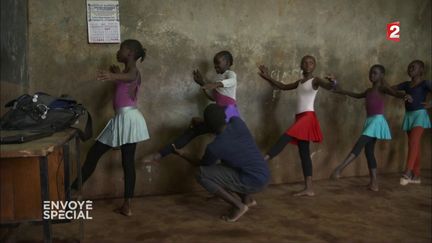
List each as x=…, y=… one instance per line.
x=346, y=37
x=13, y=39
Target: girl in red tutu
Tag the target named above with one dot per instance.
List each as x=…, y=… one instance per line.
x=306, y=127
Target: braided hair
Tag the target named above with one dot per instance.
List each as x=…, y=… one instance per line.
x=136, y=47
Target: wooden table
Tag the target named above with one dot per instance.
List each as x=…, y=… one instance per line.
x=29, y=175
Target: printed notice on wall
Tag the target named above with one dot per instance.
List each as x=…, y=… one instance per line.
x=103, y=21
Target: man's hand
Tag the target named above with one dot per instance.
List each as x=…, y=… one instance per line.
x=177, y=151
x=182, y=154
x=195, y=121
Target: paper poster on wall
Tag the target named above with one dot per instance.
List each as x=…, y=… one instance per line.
x=103, y=21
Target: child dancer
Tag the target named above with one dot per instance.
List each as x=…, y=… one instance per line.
x=128, y=127
x=223, y=93
x=306, y=127
x=375, y=127
x=224, y=87
x=416, y=118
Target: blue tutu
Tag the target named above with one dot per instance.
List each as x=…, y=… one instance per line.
x=417, y=118
x=376, y=126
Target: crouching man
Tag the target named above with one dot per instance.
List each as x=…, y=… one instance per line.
x=242, y=170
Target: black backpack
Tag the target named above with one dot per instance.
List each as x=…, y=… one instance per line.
x=41, y=115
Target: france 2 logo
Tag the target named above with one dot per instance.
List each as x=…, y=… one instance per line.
x=393, y=30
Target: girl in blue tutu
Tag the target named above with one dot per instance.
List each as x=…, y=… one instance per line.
x=128, y=126
x=375, y=127
x=416, y=118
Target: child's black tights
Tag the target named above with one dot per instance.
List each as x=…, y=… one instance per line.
x=128, y=163
x=369, y=144
x=187, y=136
x=303, y=147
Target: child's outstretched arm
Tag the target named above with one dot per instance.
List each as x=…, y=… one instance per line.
x=264, y=73
x=328, y=84
x=116, y=75
x=230, y=81
x=398, y=94
x=349, y=93
x=198, y=78
x=332, y=85
x=338, y=90
x=427, y=105
x=210, y=97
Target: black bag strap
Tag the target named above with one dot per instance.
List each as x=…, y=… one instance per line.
x=88, y=130
x=22, y=138
x=36, y=134
x=17, y=100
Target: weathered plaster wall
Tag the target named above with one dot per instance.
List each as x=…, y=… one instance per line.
x=13, y=39
x=346, y=37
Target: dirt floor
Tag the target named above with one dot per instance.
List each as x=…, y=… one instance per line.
x=342, y=211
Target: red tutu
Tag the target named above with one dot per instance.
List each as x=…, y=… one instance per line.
x=306, y=127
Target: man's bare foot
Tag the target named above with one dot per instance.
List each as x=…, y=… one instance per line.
x=151, y=158
x=235, y=214
x=216, y=198
x=305, y=192
x=373, y=186
x=249, y=201
x=335, y=175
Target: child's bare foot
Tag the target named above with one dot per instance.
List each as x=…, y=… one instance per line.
x=76, y=195
x=305, y=192
x=235, y=214
x=151, y=158
x=373, y=186
x=126, y=211
x=335, y=175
